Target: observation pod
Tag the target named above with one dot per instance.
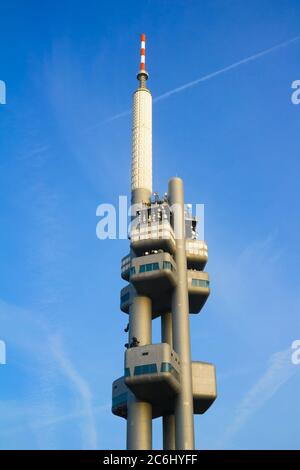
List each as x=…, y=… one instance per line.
x=204, y=386
x=198, y=289
x=154, y=274
x=153, y=235
x=196, y=254
x=203, y=379
x=119, y=398
x=152, y=372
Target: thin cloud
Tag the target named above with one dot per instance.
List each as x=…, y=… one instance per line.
x=207, y=77
x=11, y=412
x=82, y=387
x=278, y=372
x=70, y=416
x=35, y=336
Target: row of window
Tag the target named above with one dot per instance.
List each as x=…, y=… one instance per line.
x=152, y=369
x=168, y=265
x=155, y=266
x=167, y=367
x=149, y=267
x=200, y=283
x=145, y=369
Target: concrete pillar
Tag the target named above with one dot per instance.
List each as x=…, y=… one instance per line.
x=139, y=424
x=139, y=415
x=166, y=328
x=184, y=419
x=168, y=421
x=140, y=320
x=169, y=432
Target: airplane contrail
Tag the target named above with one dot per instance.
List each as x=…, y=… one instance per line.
x=181, y=88
x=224, y=70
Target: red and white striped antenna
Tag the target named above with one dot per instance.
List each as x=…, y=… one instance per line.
x=143, y=52
x=143, y=75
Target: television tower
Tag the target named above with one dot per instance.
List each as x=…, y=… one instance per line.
x=165, y=278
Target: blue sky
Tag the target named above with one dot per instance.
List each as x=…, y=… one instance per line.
x=69, y=68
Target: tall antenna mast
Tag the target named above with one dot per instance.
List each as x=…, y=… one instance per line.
x=142, y=74
x=141, y=161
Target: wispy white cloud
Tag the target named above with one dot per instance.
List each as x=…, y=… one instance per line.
x=252, y=315
x=13, y=413
x=84, y=413
x=279, y=370
x=82, y=388
x=35, y=338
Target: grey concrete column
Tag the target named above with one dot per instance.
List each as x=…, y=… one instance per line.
x=140, y=196
x=169, y=432
x=166, y=328
x=140, y=320
x=139, y=415
x=184, y=419
x=168, y=421
x=139, y=424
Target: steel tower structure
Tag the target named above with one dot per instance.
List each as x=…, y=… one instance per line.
x=166, y=279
